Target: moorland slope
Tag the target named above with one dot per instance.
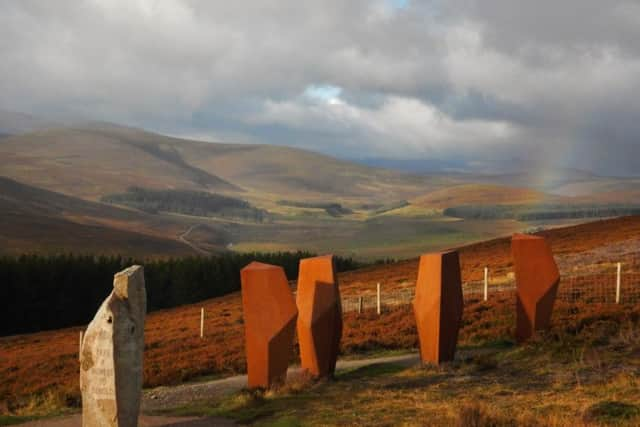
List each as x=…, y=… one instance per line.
x=174, y=353
x=94, y=161
x=33, y=220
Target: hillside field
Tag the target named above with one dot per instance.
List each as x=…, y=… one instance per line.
x=590, y=352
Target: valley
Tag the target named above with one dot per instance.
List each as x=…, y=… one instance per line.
x=293, y=199
x=348, y=213
x=101, y=190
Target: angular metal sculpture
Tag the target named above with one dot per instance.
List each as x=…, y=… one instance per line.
x=111, y=355
x=438, y=306
x=320, y=319
x=270, y=315
x=537, y=279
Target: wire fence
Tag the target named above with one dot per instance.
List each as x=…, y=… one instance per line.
x=587, y=287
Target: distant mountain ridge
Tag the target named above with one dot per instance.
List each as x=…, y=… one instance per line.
x=416, y=166
x=99, y=152
x=93, y=161
x=55, y=177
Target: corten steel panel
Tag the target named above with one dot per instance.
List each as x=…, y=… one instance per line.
x=438, y=306
x=270, y=315
x=537, y=279
x=320, y=319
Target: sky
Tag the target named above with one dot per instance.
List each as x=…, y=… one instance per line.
x=487, y=83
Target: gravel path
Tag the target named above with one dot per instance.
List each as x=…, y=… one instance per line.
x=173, y=397
x=183, y=239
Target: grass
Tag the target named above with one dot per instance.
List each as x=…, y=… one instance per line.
x=47, y=404
x=369, y=371
x=590, y=356
x=175, y=354
x=396, y=236
x=609, y=411
x=491, y=384
x=8, y=420
x=33, y=365
x=468, y=194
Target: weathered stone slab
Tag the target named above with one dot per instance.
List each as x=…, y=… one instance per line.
x=270, y=315
x=320, y=315
x=111, y=356
x=438, y=306
x=537, y=279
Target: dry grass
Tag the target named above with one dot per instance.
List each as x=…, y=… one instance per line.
x=566, y=242
x=584, y=372
x=92, y=162
x=175, y=354
x=34, y=366
x=473, y=194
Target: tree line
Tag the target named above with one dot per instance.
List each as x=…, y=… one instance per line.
x=542, y=212
x=50, y=292
x=331, y=208
x=187, y=202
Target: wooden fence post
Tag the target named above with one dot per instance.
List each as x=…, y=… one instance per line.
x=618, y=282
x=378, y=289
x=486, y=283
x=202, y=322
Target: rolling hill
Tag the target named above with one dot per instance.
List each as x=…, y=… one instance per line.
x=583, y=186
x=474, y=194
x=37, y=220
x=99, y=159
x=93, y=161
x=383, y=213
x=306, y=175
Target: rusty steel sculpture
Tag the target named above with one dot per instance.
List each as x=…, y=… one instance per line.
x=537, y=279
x=320, y=319
x=438, y=306
x=270, y=315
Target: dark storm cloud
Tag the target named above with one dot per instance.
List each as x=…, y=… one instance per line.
x=553, y=82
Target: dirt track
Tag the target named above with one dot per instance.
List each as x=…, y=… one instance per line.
x=173, y=397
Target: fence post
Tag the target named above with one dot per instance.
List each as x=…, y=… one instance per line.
x=360, y=305
x=486, y=282
x=80, y=346
x=202, y=322
x=378, y=289
x=618, y=281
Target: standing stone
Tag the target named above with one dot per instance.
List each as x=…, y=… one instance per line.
x=537, y=279
x=111, y=357
x=438, y=306
x=320, y=315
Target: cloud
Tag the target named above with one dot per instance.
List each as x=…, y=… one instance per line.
x=410, y=123
x=545, y=81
